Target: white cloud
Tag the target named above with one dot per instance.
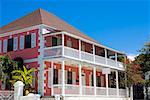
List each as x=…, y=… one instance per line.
x=131, y=56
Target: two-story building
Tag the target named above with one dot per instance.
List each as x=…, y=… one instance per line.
x=70, y=64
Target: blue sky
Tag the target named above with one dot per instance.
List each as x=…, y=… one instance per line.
x=120, y=24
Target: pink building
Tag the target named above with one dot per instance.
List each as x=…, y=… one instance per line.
x=69, y=63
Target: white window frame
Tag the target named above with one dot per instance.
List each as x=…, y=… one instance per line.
x=15, y=42
x=21, y=45
x=33, y=40
x=5, y=45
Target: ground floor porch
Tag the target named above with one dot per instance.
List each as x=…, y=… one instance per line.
x=66, y=77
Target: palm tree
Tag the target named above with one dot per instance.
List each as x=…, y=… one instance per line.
x=24, y=75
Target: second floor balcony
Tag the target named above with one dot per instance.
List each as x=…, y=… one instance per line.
x=62, y=44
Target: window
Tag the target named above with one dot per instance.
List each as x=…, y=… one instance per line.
x=55, y=76
x=98, y=81
x=28, y=41
x=33, y=38
x=69, y=43
x=99, y=51
x=10, y=45
x=111, y=55
x=15, y=46
x=21, y=42
x=56, y=40
x=112, y=80
x=69, y=78
x=5, y=46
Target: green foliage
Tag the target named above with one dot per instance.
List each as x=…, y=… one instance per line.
x=6, y=67
x=24, y=75
x=143, y=59
x=133, y=74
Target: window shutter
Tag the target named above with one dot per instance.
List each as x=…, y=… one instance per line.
x=74, y=78
x=21, y=42
x=66, y=78
x=33, y=80
x=15, y=43
x=49, y=78
x=33, y=40
x=0, y=46
x=5, y=46
x=59, y=76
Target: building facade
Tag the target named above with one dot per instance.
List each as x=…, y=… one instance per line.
x=69, y=63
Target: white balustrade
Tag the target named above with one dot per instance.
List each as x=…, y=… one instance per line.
x=53, y=51
x=70, y=52
x=87, y=56
x=72, y=89
x=101, y=91
x=122, y=92
x=88, y=90
x=112, y=91
x=120, y=64
x=111, y=62
x=57, y=89
x=100, y=60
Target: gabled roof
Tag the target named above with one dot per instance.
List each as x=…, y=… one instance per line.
x=42, y=17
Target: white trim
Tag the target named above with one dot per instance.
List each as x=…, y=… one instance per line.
x=88, y=41
x=94, y=77
x=19, y=30
x=31, y=60
x=117, y=83
x=63, y=77
x=80, y=78
x=106, y=76
x=52, y=90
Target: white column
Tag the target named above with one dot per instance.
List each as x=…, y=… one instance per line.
x=116, y=59
x=107, y=84
x=52, y=67
x=105, y=55
x=79, y=49
x=94, y=77
x=117, y=83
x=63, y=77
x=80, y=78
x=94, y=52
x=63, y=44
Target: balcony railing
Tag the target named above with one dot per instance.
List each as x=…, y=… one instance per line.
x=70, y=52
x=81, y=55
x=72, y=89
x=53, y=51
x=101, y=91
x=88, y=90
x=87, y=56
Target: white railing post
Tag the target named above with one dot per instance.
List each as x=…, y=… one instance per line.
x=52, y=67
x=79, y=49
x=116, y=59
x=94, y=53
x=107, y=84
x=63, y=77
x=117, y=83
x=105, y=55
x=94, y=77
x=80, y=78
x=63, y=44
